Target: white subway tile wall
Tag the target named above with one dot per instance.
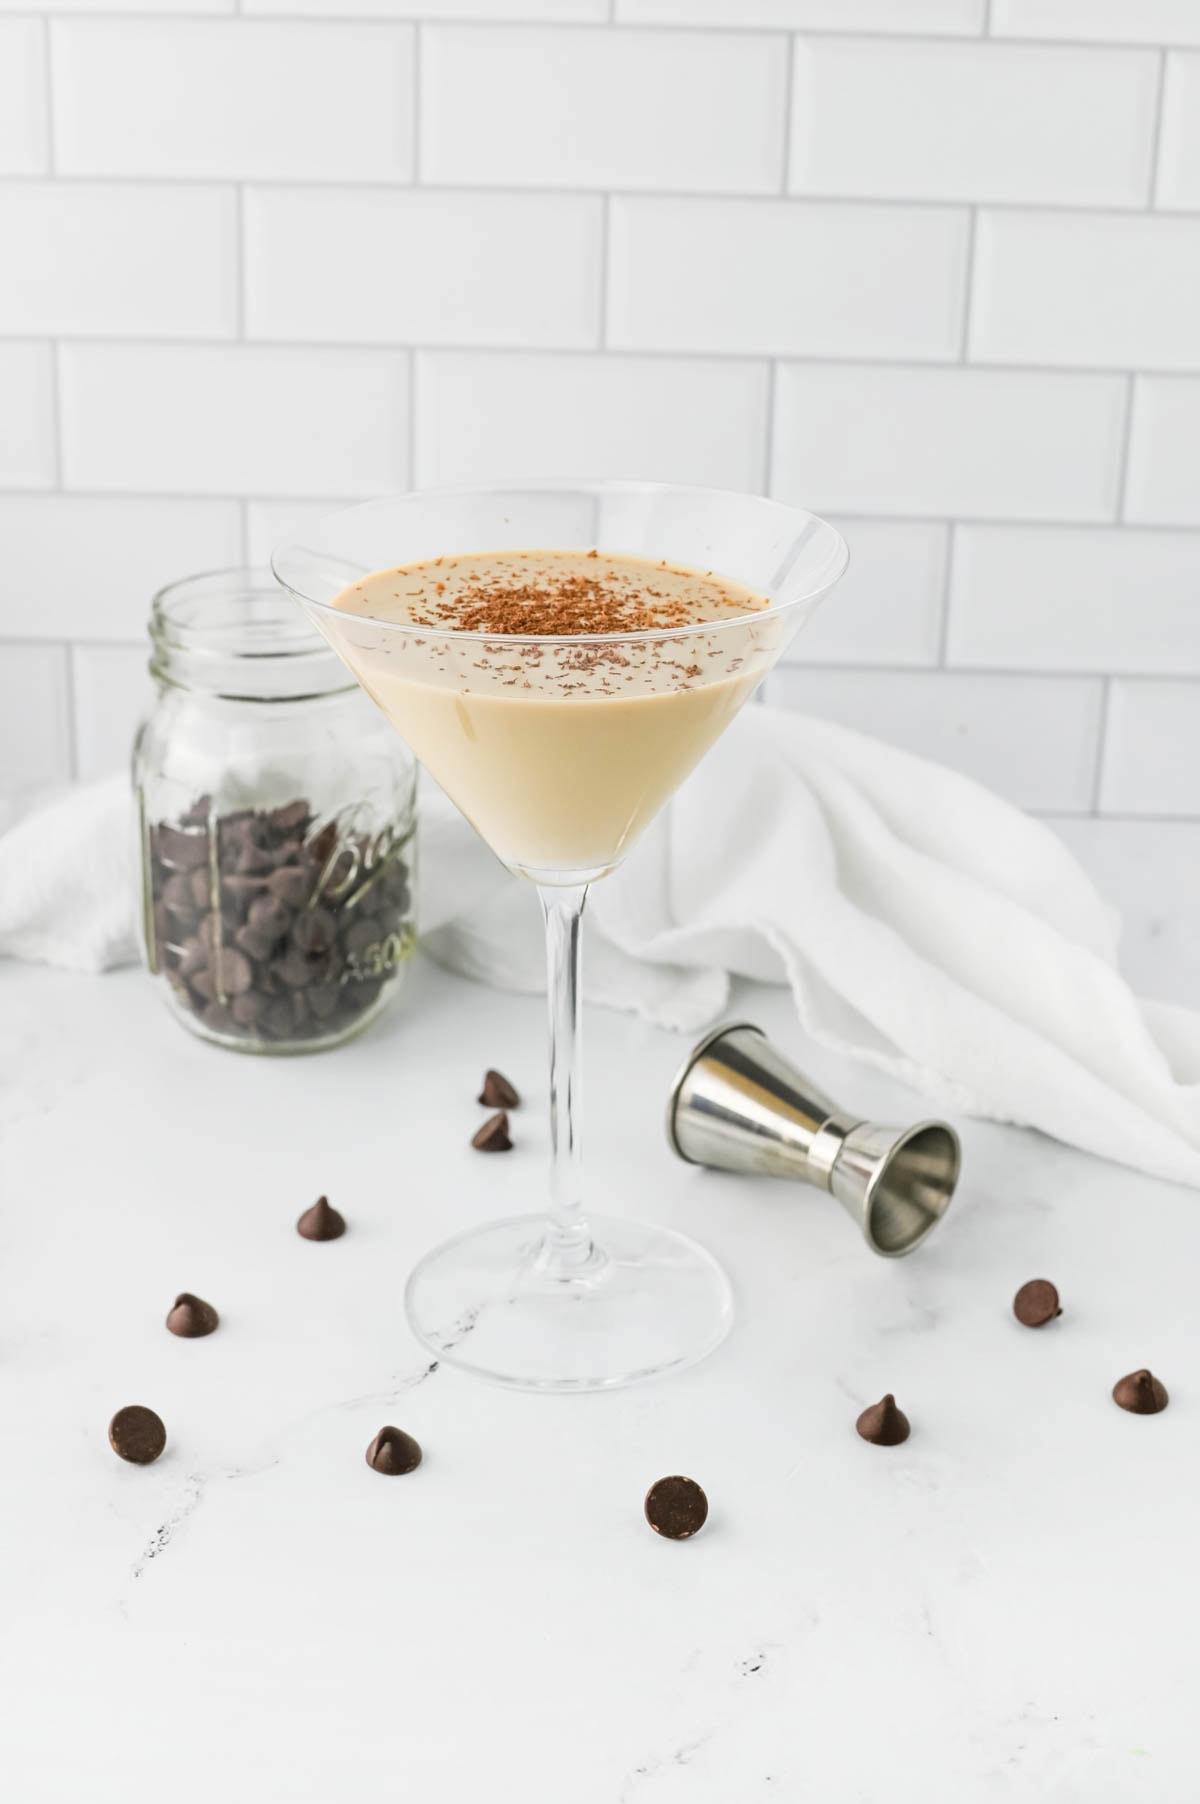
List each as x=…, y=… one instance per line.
x=827, y=281
x=1020, y=593
x=1104, y=21
x=1038, y=749
x=949, y=16
x=232, y=97
x=603, y=109
x=962, y=121
x=1179, y=158
x=890, y=604
x=28, y=458
x=1145, y=868
x=1152, y=749
x=111, y=686
x=388, y=265
x=1098, y=290
x=669, y=419
x=224, y=419
x=933, y=268
x=1163, y=484
x=118, y=260
x=878, y=439
x=85, y=567
x=36, y=725
x=24, y=125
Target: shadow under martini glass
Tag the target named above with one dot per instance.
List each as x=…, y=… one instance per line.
x=560, y=750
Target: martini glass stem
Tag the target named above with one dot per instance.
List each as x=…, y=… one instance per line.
x=567, y=1249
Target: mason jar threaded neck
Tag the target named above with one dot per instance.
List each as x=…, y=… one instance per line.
x=238, y=635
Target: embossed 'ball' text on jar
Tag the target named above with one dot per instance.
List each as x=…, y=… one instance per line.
x=277, y=821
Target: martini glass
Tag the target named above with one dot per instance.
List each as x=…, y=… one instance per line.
x=560, y=767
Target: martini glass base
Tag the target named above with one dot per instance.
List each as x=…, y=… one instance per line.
x=651, y=1301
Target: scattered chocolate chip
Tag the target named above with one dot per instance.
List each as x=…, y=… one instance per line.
x=497, y=1092
x=191, y=1317
x=1141, y=1393
x=321, y=1222
x=493, y=1135
x=137, y=1434
x=676, y=1507
x=1036, y=1303
x=883, y=1424
x=392, y=1451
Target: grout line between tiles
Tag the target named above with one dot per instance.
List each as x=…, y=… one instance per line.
x=964, y=341
x=1101, y=744
x=48, y=97
x=947, y=593
x=241, y=270
x=415, y=97
x=875, y=515
x=1118, y=817
x=1123, y=452
x=605, y=271
x=71, y=699
x=789, y=100
x=127, y=15
x=769, y=426
x=1156, y=134
x=1103, y=817
x=56, y=419
x=411, y=425
x=661, y=353
x=389, y=182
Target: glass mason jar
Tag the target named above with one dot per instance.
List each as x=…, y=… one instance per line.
x=277, y=820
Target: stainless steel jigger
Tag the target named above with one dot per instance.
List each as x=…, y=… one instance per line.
x=738, y=1104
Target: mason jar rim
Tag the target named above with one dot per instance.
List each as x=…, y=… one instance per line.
x=237, y=633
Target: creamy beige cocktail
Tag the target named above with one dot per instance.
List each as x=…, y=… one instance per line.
x=559, y=697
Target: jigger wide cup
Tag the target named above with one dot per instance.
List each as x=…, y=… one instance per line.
x=739, y=1105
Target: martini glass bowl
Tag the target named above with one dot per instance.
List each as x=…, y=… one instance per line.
x=560, y=749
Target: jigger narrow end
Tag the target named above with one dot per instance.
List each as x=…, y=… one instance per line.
x=898, y=1183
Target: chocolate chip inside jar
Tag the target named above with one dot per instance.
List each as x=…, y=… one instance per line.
x=275, y=928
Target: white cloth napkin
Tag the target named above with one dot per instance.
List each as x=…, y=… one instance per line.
x=923, y=926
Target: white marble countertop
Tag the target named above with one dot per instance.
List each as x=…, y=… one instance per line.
x=1001, y=1608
